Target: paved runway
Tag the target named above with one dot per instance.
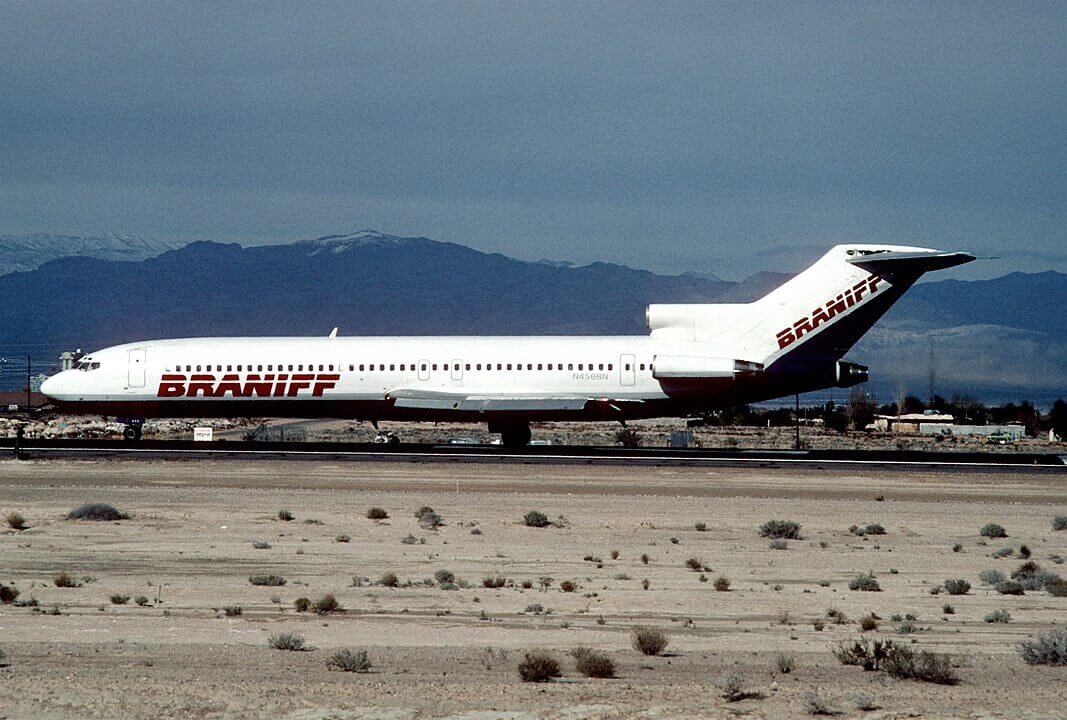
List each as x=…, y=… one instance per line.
x=154, y=449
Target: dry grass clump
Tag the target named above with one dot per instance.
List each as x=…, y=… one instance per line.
x=327, y=604
x=734, y=690
x=992, y=530
x=141, y=600
x=97, y=511
x=991, y=577
x=568, y=586
x=535, y=518
x=864, y=582
x=64, y=580
x=356, y=661
x=695, y=564
x=377, y=513
x=649, y=640
x=722, y=583
x=998, y=616
x=233, y=611
x=389, y=579
x=1059, y=522
x=869, y=623
x=784, y=529
x=868, y=653
x=285, y=515
x=302, y=604
x=593, y=664
x=784, y=663
x=16, y=521
x=778, y=544
x=1010, y=587
x=957, y=586
x=118, y=599
x=1047, y=649
x=288, y=641
x=260, y=545
x=494, y=581
x=343, y=538
x=443, y=576
x=267, y=580
x=538, y=666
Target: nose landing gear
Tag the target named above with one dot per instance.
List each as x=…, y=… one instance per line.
x=132, y=431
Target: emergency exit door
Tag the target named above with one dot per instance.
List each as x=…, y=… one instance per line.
x=135, y=378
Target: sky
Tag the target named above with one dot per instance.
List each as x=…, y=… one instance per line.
x=719, y=138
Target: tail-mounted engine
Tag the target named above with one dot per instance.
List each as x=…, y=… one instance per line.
x=847, y=374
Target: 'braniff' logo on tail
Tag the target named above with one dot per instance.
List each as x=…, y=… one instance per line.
x=255, y=385
x=851, y=297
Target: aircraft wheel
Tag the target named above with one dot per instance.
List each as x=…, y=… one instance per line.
x=132, y=433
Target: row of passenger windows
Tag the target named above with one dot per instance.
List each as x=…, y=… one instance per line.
x=404, y=367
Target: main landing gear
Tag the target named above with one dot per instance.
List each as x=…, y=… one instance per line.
x=384, y=437
x=132, y=431
x=512, y=433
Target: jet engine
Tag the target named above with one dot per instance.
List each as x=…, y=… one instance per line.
x=847, y=374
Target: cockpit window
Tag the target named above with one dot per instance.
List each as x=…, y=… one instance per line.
x=86, y=365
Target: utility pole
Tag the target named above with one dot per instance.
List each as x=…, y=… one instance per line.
x=29, y=370
x=796, y=423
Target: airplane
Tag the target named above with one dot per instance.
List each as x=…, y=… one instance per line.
x=696, y=357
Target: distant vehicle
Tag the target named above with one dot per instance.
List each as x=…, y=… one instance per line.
x=462, y=441
x=999, y=438
x=697, y=357
x=541, y=441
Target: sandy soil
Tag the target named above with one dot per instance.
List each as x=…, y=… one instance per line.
x=188, y=548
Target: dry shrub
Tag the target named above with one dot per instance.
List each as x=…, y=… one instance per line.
x=957, y=586
x=868, y=653
x=734, y=690
x=538, y=666
x=868, y=623
x=267, y=580
x=118, y=599
x=568, y=586
x=649, y=640
x=389, y=579
x=786, y=529
x=695, y=564
x=64, y=580
x=722, y=583
x=443, y=576
x=8, y=594
x=377, y=513
x=992, y=530
x=1059, y=522
x=991, y=577
x=356, y=661
x=1010, y=587
x=15, y=521
x=864, y=582
x=921, y=665
x=784, y=663
x=288, y=641
x=141, y=600
x=594, y=665
x=1048, y=649
x=97, y=511
x=285, y=515
x=494, y=581
x=998, y=616
x=535, y=518
x=343, y=538
x=815, y=704
x=302, y=604
x=327, y=604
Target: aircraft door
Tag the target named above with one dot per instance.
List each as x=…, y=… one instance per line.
x=136, y=371
x=627, y=365
x=424, y=369
x=457, y=370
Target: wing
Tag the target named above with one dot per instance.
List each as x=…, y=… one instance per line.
x=493, y=403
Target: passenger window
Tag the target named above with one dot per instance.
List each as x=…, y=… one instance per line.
x=570, y=366
x=468, y=366
x=609, y=366
x=290, y=368
x=402, y=366
x=331, y=368
x=540, y=366
x=642, y=366
x=627, y=366
x=445, y=367
x=509, y=366
x=580, y=366
x=434, y=366
x=392, y=367
x=478, y=366
x=360, y=368
x=601, y=366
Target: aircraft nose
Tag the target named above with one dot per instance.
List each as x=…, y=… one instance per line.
x=52, y=386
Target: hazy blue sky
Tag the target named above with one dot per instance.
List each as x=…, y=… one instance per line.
x=713, y=137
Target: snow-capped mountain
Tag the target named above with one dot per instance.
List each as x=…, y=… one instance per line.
x=27, y=252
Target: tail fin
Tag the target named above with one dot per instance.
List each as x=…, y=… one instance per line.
x=821, y=312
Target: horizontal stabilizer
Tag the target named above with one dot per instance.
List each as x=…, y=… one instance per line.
x=921, y=261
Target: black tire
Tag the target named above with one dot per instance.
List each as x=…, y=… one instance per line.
x=131, y=433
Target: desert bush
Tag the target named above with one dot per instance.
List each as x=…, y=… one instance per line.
x=957, y=586
x=868, y=623
x=957, y=548
x=389, y=579
x=284, y=515
x=64, y=580
x=494, y=581
x=778, y=544
x=342, y=538
x=701, y=527
x=784, y=663
x=117, y=599
x=409, y=540
x=695, y=564
x=614, y=554
x=96, y=511
x=922, y=665
x=267, y=580
x=1002, y=553
x=432, y=520
x=722, y=583
x=907, y=627
x=538, y=666
x=260, y=545
x=1032, y=577
x=377, y=513
x=998, y=616
x=233, y=611
x=991, y=577
x=422, y=511
x=644, y=558
x=568, y=586
x=992, y=530
x=649, y=640
x=819, y=624
x=1010, y=587
x=1056, y=588
x=141, y=600
x=815, y=704
x=327, y=604
x=864, y=582
x=733, y=689
x=444, y=576
x=594, y=665
x=1047, y=649
x=302, y=604
x=868, y=653
x=16, y=521
x=287, y=641
x=1024, y=551
x=1059, y=522
x=628, y=437
x=836, y=616
x=865, y=702
x=785, y=529
x=356, y=661
x=535, y=518
x=8, y=594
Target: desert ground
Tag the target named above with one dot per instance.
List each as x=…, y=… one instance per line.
x=452, y=649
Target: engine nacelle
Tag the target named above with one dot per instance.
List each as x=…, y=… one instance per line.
x=847, y=374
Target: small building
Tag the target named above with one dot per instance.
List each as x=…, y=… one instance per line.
x=910, y=423
x=936, y=424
